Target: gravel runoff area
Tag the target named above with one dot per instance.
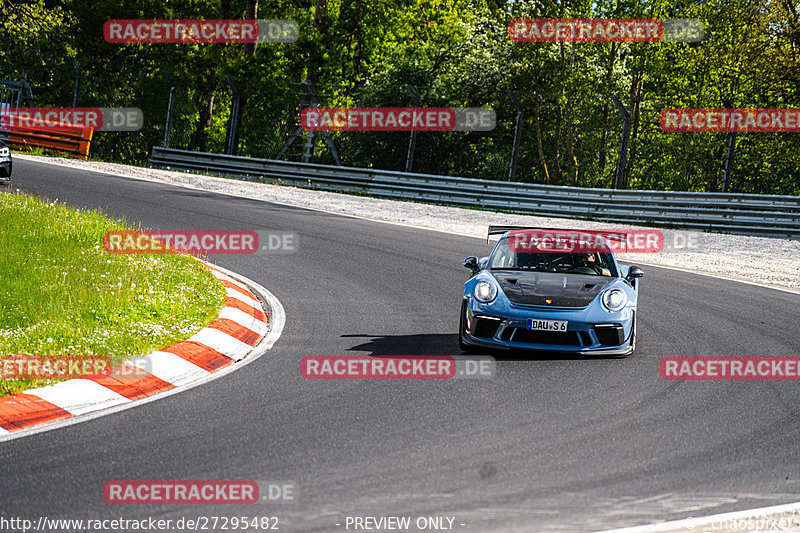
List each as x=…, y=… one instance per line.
x=761, y=260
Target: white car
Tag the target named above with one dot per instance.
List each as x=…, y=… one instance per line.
x=5, y=165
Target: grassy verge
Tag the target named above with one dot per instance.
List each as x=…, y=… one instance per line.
x=61, y=293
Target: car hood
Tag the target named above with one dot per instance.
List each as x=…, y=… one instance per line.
x=563, y=290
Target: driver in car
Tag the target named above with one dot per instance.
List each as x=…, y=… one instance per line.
x=590, y=260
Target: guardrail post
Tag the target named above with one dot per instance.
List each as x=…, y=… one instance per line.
x=512, y=169
x=623, y=144
x=729, y=156
x=77, y=87
x=412, y=141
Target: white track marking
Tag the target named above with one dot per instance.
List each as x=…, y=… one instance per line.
x=79, y=396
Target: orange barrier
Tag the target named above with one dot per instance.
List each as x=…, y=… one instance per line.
x=72, y=140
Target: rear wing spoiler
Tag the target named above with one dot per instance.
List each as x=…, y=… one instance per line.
x=499, y=230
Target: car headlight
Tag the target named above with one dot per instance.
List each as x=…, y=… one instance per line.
x=485, y=291
x=5, y=152
x=614, y=299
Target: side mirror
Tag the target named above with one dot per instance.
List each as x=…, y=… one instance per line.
x=471, y=263
x=634, y=272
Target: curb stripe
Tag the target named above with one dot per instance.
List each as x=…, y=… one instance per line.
x=258, y=314
x=24, y=410
x=236, y=330
x=204, y=357
x=222, y=342
x=243, y=319
x=79, y=396
x=135, y=383
x=217, y=273
x=242, y=298
x=229, y=285
x=174, y=369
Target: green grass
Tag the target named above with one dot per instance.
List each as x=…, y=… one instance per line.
x=61, y=293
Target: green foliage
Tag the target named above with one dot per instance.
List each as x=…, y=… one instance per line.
x=453, y=53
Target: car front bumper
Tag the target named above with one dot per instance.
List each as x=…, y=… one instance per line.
x=589, y=331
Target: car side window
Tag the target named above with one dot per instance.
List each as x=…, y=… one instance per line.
x=503, y=257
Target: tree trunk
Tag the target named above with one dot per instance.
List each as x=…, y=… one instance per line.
x=539, y=142
x=635, y=106
x=251, y=13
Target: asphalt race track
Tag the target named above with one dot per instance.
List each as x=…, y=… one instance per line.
x=549, y=445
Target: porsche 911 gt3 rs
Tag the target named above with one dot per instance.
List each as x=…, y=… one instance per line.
x=549, y=298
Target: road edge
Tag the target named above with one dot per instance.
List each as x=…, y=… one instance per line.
x=689, y=525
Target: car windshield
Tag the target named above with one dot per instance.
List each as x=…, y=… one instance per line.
x=595, y=263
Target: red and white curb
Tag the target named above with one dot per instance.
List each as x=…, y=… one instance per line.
x=242, y=329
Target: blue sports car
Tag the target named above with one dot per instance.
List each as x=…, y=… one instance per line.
x=555, y=300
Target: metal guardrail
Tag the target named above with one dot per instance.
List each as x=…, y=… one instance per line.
x=747, y=214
